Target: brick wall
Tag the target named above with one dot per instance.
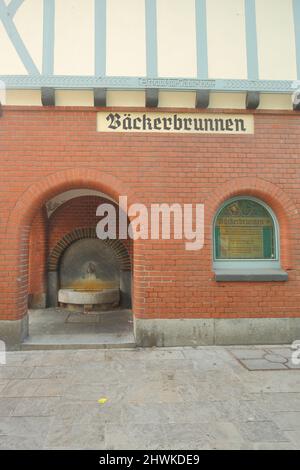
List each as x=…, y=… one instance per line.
x=77, y=213
x=47, y=151
x=38, y=249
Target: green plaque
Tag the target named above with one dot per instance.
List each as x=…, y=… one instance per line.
x=244, y=230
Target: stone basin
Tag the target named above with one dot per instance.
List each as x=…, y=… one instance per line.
x=89, y=298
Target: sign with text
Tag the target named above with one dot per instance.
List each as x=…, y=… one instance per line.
x=192, y=123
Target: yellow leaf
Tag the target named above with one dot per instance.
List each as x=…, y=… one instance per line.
x=102, y=400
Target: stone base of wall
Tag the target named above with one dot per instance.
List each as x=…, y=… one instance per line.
x=187, y=332
x=219, y=331
x=13, y=332
x=37, y=300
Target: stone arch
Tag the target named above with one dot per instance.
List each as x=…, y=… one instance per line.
x=118, y=248
x=283, y=207
x=19, y=224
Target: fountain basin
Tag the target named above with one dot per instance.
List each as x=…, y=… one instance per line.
x=89, y=299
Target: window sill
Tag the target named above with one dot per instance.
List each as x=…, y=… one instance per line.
x=258, y=275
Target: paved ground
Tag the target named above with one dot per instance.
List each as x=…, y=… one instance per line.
x=180, y=398
x=58, y=328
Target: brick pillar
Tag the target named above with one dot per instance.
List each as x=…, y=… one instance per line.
x=37, y=261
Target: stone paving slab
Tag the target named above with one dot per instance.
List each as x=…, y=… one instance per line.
x=23, y=432
x=262, y=364
x=57, y=328
x=294, y=437
x=35, y=407
x=288, y=421
x=265, y=358
x=171, y=398
x=7, y=406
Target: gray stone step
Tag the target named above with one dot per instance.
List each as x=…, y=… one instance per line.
x=78, y=342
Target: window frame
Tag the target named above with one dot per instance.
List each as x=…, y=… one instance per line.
x=245, y=263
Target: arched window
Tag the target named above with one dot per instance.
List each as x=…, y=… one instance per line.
x=246, y=241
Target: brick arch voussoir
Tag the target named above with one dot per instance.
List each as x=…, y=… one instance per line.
x=29, y=202
x=284, y=208
x=37, y=194
x=268, y=192
x=118, y=248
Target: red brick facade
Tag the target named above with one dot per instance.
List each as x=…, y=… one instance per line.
x=45, y=152
x=38, y=251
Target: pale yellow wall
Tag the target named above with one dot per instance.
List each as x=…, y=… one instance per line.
x=74, y=37
x=167, y=99
x=227, y=100
x=10, y=64
x=176, y=33
x=276, y=41
x=74, y=98
x=126, y=98
x=226, y=39
x=126, y=48
x=176, y=26
x=173, y=99
x=23, y=97
x=275, y=101
x=29, y=22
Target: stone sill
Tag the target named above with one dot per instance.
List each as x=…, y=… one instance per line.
x=261, y=275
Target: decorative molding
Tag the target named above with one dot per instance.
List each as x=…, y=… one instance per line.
x=151, y=37
x=202, y=99
x=151, y=98
x=142, y=83
x=201, y=39
x=100, y=37
x=251, y=40
x=6, y=16
x=48, y=37
x=48, y=96
x=252, y=100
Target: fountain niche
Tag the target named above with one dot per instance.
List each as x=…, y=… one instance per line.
x=89, y=277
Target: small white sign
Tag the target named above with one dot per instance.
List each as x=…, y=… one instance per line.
x=188, y=123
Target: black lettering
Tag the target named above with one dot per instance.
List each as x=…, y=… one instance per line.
x=157, y=124
x=188, y=122
x=135, y=123
x=167, y=127
x=229, y=125
x=147, y=125
x=219, y=125
x=114, y=121
x=177, y=123
x=209, y=125
x=198, y=123
x=240, y=125
x=127, y=125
